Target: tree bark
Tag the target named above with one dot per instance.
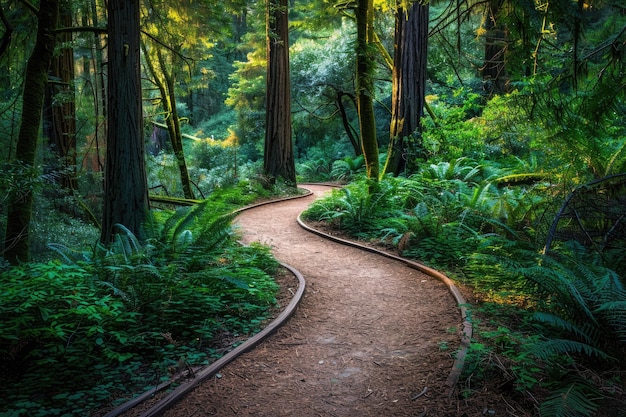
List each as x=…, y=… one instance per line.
x=125, y=182
x=60, y=112
x=365, y=86
x=164, y=78
x=19, y=214
x=351, y=132
x=408, y=87
x=278, y=157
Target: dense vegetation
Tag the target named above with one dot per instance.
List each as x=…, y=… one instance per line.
x=98, y=324
x=513, y=183
x=550, y=323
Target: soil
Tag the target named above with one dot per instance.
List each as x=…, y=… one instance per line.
x=371, y=337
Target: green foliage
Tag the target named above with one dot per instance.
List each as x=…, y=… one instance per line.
x=576, y=398
x=356, y=210
x=314, y=170
x=456, y=132
x=126, y=314
x=347, y=169
x=17, y=179
x=57, y=327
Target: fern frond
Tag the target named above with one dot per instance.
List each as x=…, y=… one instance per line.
x=555, y=278
x=116, y=291
x=189, y=219
x=214, y=232
x=547, y=348
x=614, y=313
x=557, y=322
x=126, y=241
x=576, y=399
x=71, y=256
x=184, y=239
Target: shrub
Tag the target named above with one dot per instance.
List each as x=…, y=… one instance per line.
x=113, y=320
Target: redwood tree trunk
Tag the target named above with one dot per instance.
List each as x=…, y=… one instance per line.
x=125, y=183
x=19, y=214
x=408, y=87
x=278, y=157
x=60, y=113
x=365, y=86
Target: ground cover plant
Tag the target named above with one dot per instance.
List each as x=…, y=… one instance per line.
x=94, y=326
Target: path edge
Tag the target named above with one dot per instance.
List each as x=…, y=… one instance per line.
x=213, y=368
x=467, y=328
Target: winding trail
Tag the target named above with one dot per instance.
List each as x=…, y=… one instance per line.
x=372, y=337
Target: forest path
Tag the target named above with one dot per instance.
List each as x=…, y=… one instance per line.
x=369, y=336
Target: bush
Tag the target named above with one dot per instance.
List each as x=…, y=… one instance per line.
x=113, y=320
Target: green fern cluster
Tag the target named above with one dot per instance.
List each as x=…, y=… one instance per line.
x=357, y=211
x=577, y=307
x=134, y=306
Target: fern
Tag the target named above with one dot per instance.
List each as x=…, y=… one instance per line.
x=214, y=232
x=71, y=256
x=556, y=278
x=575, y=399
x=126, y=243
x=445, y=171
x=614, y=313
x=549, y=348
x=560, y=323
x=347, y=168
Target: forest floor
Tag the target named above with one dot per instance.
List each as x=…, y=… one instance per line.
x=371, y=337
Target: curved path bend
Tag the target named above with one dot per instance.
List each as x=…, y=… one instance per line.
x=371, y=337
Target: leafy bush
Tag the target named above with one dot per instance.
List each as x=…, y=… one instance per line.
x=357, y=211
x=57, y=325
x=112, y=320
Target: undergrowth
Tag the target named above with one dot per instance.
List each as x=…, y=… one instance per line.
x=90, y=329
x=550, y=328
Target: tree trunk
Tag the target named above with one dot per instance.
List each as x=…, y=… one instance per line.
x=365, y=86
x=408, y=87
x=278, y=158
x=60, y=112
x=164, y=78
x=19, y=214
x=173, y=123
x=93, y=160
x=125, y=183
x=351, y=132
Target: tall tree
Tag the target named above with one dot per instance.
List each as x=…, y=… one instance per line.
x=365, y=48
x=408, y=86
x=60, y=111
x=19, y=214
x=278, y=157
x=125, y=182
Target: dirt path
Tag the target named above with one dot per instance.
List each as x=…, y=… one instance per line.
x=369, y=337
